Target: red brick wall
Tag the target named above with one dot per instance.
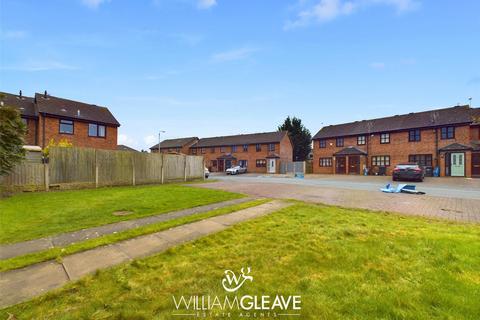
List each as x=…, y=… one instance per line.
x=398, y=149
x=80, y=136
x=31, y=132
x=284, y=149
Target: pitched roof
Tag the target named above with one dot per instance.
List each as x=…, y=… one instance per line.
x=24, y=104
x=253, y=138
x=350, y=151
x=74, y=109
x=432, y=118
x=123, y=147
x=455, y=147
x=174, y=143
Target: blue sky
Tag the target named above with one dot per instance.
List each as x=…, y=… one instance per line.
x=218, y=67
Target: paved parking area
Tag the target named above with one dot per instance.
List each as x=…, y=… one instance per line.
x=446, y=198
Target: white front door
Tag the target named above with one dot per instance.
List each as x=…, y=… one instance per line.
x=271, y=166
x=457, y=164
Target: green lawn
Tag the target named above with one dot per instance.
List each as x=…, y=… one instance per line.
x=33, y=215
x=58, y=253
x=346, y=264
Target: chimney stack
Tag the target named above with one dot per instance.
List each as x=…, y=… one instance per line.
x=45, y=94
x=78, y=112
x=20, y=94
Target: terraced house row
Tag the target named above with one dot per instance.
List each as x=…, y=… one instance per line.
x=258, y=152
x=48, y=117
x=447, y=138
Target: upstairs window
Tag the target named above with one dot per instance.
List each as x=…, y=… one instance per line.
x=448, y=133
x=96, y=130
x=271, y=147
x=258, y=147
x=245, y=147
x=203, y=150
x=234, y=148
x=414, y=135
x=322, y=143
x=66, y=126
x=385, y=138
x=339, y=142
x=361, y=140
x=194, y=150
x=222, y=149
x=212, y=150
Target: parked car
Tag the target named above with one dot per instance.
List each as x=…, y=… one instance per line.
x=236, y=170
x=408, y=171
x=207, y=173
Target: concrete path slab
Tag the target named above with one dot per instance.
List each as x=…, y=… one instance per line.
x=21, y=248
x=80, y=264
x=23, y=284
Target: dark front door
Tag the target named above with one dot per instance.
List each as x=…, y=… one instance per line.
x=221, y=166
x=341, y=166
x=476, y=164
x=228, y=164
x=354, y=164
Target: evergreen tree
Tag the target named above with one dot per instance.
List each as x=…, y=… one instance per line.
x=300, y=137
x=12, y=132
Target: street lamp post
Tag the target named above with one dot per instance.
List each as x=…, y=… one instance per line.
x=159, y=139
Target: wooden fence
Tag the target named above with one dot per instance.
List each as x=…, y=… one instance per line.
x=90, y=168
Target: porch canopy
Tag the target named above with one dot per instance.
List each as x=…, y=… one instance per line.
x=455, y=147
x=273, y=155
x=350, y=151
x=227, y=156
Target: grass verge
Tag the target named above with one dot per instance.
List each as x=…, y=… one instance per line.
x=28, y=216
x=345, y=264
x=59, y=252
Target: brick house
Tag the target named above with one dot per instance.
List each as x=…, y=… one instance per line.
x=181, y=145
x=448, y=138
x=258, y=152
x=48, y=117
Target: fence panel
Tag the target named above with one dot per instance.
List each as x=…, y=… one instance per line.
x=195, y=167
x=174, y=166
x=292, y=167
x=114, y=167
x=26, y=176
x=71, y=165
x=148, y=167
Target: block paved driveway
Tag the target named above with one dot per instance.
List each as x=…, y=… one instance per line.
x=455, y=199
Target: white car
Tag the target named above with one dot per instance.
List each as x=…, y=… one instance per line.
x=236, y=170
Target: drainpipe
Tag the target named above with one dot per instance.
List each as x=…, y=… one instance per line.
x=43, y=130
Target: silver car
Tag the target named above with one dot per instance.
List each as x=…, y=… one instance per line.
x=236, y=170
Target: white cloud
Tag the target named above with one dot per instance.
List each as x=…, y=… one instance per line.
x=151, y=140
x=13, y=34
x=205, y=4
x=47, y=65
x=328, y=10
x=93, y=4
x=232, y=55
x=126, y=140
x=377, y=65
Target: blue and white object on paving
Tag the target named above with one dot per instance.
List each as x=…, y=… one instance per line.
x=405, y=188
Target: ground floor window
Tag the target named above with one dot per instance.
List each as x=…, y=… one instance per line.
x=424, y=160
x=261, y=163
x=243, y=163
x=381, y=161
x=214, y=163
x=325, y=162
